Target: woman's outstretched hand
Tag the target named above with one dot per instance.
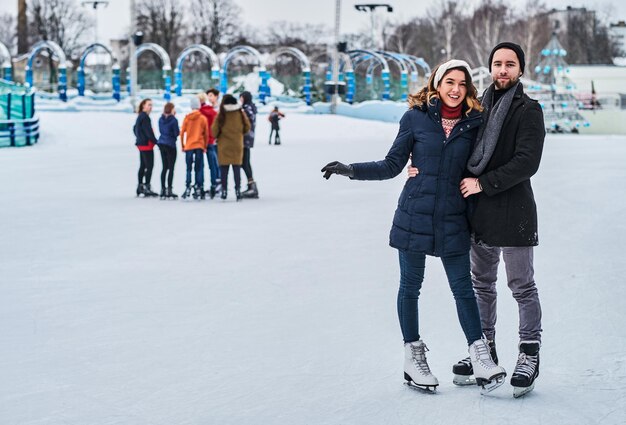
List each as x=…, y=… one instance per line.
x=337, y=167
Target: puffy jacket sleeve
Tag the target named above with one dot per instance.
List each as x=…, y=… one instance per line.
x=396, y=158
x=147, y=133
x=525, y=161
x=246, y=122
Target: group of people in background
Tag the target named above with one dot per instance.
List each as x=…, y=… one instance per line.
x=232, y=127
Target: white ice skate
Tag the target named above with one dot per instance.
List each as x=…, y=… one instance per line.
x=488, y=375
x=416, y=371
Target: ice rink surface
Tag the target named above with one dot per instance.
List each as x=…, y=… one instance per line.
x=118, y=310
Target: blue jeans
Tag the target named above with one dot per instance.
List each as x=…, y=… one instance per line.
x=195, y=158
x=457, y=268
x=214, y=168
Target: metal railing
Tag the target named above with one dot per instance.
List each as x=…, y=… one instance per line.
x=19, y=132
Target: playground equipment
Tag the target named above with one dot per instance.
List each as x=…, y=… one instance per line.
x=553, y=89
x=114, y=67
x=18, y=124
x=5, y=62
x=56, y=51
x=264, y=90
x=166, y=67
x=195, y=48
x=304, y=63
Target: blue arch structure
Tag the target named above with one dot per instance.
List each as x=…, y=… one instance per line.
x=264, y=90
x=5, y=62
x=404, y=71
x=363, y=56
x=167, y=67
x=346, y=74
x=114, y=67
x=195, y=48
x=56, y=50
x=305, y=64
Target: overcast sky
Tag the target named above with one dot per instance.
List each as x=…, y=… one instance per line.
x=114, y=20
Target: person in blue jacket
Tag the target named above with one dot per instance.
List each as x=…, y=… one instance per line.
x=437, y=134
x=169, y=131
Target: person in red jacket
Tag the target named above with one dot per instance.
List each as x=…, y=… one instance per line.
x=208, y=103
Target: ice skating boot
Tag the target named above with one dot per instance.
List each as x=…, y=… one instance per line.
x=526, y=369
x=148, y=191
x=198, y=193
x=140, y=189
x=224, y=193
x=187, y=192
x=212, y=192
x=463, y=371
x=238, y=194
x=277, y=141
x=163, y=194
x=416, y=371
x=252, y=192
x=487, y=373
x=169, y=194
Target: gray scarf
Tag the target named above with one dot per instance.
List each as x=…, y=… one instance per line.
x=490, y=131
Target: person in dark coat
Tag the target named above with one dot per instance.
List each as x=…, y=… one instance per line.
x=168, y=133
x=274, y=118
x=504, y=219
x=437, y=132
x=145, y=141
x=248, y=143
x=504, y=214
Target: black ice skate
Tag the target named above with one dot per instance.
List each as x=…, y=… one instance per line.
x=170, y=195
x=148, y=192
x=526, y=369
x=463, y=371
x=224, y=194
x=163, y=194
x=252, y=192
x=238, y=194
x=187, y=192
x=198, y=193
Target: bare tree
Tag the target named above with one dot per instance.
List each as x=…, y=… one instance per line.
x=161, y=21
x=217, y=22
x=483, y=30
x=61, y=21
x=8, y=36
x=532, y=31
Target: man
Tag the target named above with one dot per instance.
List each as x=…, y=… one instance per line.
x=504, y=217
x=209, y=112
x=274, y=117
x=503, y=214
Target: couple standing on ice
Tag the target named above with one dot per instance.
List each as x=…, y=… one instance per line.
x=468, y=199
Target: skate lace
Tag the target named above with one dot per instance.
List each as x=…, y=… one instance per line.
x=466, y=361
x=483, y=355
x=525, y=365
x=418, y=352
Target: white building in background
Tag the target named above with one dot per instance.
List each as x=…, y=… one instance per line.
x=618, y=33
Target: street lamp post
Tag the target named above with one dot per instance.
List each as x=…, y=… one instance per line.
x=95, y=4
x=133, y=60
x=371, y=7
x=335, y=97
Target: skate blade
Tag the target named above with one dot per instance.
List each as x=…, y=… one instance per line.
x=428, y=389
x=521, y=391
x=487, y=386
x=463, y=380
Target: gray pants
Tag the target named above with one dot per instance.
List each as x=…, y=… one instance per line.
x=518, y=262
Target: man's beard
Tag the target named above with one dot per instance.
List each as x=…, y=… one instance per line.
x=503, y=86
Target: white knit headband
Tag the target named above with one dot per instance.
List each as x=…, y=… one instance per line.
x=444, y=67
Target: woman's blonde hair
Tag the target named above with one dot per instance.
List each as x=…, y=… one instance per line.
x=429, y=91
x=202, y=97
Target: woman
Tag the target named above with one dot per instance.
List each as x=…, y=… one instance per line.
x=248, y=143
x=229, y=128
x=437, y=132
x=169, y=131
x=145, y=141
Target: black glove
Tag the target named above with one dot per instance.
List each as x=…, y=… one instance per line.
x=337, y=167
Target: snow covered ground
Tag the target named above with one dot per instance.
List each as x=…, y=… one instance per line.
x=117, y=310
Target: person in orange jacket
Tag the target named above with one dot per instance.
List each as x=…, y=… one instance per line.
x=194, y=138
